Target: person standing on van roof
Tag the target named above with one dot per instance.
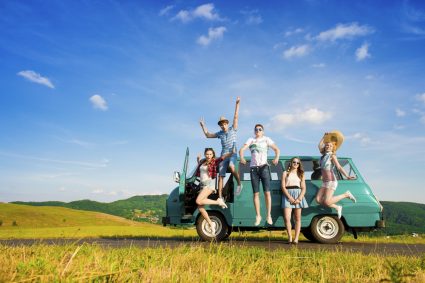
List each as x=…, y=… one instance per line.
x=207, y=172
x=328, y=163
x=227, y=135
x=259, y=169
x=293, y=189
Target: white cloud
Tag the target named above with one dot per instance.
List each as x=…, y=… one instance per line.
x=293, y=31
x=400, y=113
x=362, y=52
x=309, y=116
x=206, y=12
x=166, y=10
x=97, y=191
x=362, y=138
x=320, y=65
x=213, y=34
x=296, y=51
x=370, y=77
x=36, y=78
x=344, y=31
x=421, y=97
x=98, y=102
x=252, y=17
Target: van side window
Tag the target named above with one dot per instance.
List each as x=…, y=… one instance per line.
x=347, y=167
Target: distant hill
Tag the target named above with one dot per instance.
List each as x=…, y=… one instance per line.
x=400, y=217
x=404, y=217
x=26, y=216
x=146, y=208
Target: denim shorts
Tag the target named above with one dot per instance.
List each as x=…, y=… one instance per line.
x=260, y=173
x=222, y=167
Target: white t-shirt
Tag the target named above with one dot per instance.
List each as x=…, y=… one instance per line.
x=259, y=148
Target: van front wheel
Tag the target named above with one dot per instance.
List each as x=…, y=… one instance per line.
x=327, y=229
x=204, y=229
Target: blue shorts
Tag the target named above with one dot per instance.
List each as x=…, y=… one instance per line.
x=222, y=167
x=260, y=173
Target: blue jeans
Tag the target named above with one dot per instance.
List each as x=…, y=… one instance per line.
x=222, y=167
x=260, y=173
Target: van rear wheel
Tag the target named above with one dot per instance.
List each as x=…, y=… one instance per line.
x=327, y=229
x=204, y=229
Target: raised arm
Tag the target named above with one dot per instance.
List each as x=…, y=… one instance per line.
x=205, y=130
x=235, y=118
x=321, y=145
x=339, y=167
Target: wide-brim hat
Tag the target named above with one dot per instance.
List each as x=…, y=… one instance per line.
x=222, y=119
x=336, y=137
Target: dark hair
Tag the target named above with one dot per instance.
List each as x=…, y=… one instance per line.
x=300, y=169
x=258, y=125
x=209, y=149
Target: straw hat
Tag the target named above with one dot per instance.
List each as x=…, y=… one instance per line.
x=335, y=136
x=222, y=119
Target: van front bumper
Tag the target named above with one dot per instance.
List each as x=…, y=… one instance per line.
x=380, y=224
x=166, y=220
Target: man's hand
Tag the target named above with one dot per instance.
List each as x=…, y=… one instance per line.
x=275, y=161
x=202, y=122
x=238, y=99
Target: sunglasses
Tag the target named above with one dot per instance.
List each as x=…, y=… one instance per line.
x=258, y=130
x=295, y=162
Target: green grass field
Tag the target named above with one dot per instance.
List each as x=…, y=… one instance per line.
x=196, y=263
x=34, y=222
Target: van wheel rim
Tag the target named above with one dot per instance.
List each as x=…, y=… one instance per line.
x=206, y=227
x=327, y=227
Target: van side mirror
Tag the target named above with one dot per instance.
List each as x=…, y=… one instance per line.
x=176, y=177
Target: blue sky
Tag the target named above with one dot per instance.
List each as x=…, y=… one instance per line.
x=99, y=99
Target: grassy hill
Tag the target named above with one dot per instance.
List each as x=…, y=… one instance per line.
x=28, y=216
x=147, y=208
x=404, y=217
x=401, y=217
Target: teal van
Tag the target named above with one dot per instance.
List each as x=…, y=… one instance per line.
x=319, y=223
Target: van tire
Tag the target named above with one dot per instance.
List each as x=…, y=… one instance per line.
x=327, y=229
x=202, y=227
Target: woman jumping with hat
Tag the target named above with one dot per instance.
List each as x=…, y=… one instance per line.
x=328, y=162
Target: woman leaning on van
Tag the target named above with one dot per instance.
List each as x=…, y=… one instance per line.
x=293, y=189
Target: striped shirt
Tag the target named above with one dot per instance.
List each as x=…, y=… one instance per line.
x=228, y=140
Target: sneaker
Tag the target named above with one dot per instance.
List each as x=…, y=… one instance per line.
x=350, y=196
x=269, y=220
x=339, y=211
x=239, y=190
x=221, y=203
x=257, y=220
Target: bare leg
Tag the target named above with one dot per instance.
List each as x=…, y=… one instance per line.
x=287, y=216
x=257, y=204
x=297, y=216
x=203, y=199
x=319, y=196
x=268, y=200
x=235, y=174
x=330, y=199
x=220, y=186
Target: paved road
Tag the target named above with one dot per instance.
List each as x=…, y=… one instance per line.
x=366, y=248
